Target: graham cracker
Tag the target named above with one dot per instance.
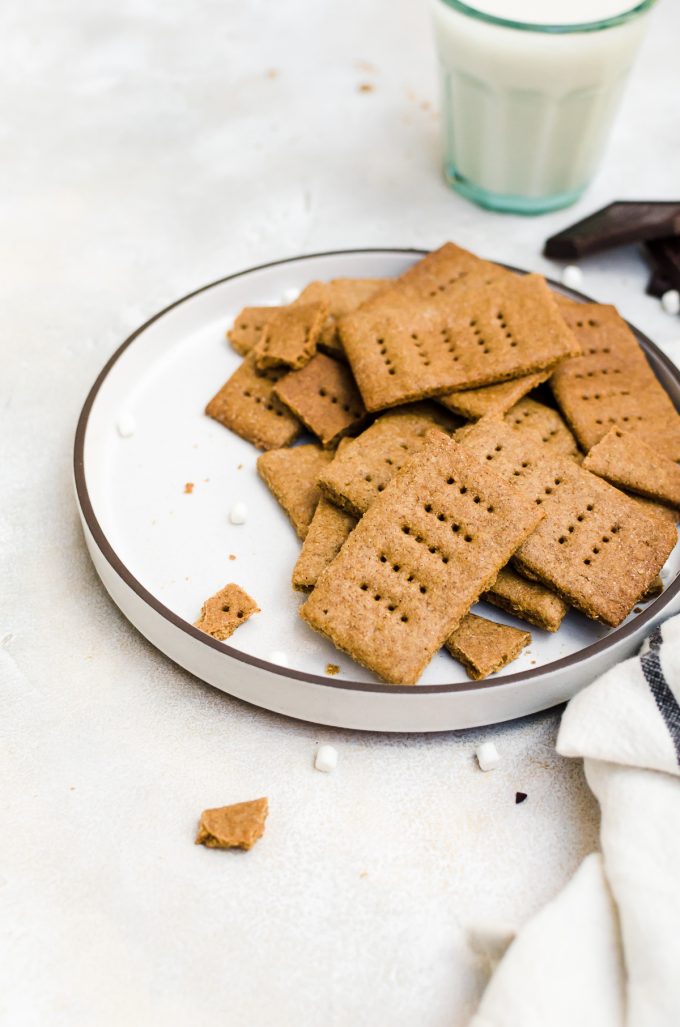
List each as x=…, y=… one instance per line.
x=324, y=397
x=233, y=827
x=442, y=271
x=343, y=295
x=595, y=548
x=627, y=461
x=329, y=530
x=246, y=331
x=492, y=399
x=475, y=335
x=655, y=589
x=247, y=405
x=226, y=611
x=544, y=424
x=528, y=600
x=421, y=555
x=360, y=473
x=291, y=476
x=652, y=509
x=290, y=336
x=611, y=383
x=483, y=646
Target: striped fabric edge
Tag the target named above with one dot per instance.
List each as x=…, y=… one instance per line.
x=666, y=702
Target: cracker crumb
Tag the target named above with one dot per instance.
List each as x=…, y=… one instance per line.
x=332, y=669
x=364, y=873
x=231, y=556
x=272, y=73
x=366, y=87
x=233, y=827
x=239, y=467
x=189, y=488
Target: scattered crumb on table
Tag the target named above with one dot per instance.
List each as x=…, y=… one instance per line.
x=189, y=488
x=231, y=556
x=366, y=87
x=272, y=73
x=332, y=669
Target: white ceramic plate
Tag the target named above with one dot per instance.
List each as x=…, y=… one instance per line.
x=161, y=551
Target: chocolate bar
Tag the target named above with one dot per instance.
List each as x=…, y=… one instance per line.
x=665, y=258
x=622, y=222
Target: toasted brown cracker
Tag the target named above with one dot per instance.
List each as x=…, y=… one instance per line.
x=625, y=460
x=492, y=399
x=427, y=547
x=226, y=611
x=361, y=472
x=329, y=530
x=247, y=405
x=475, y=335
x=233, y=827
x=611, y=383
x=595, y=547
x=291, y=475
x=290, y=336
x=442, y=271
x=483, y=646
x=652, y=509
x=343, y=295
x=325, y=398
x=528, y=600
x=544, y=424
x=246, y=331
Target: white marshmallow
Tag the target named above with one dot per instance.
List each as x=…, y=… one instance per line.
x=277, y=656
x=289, y=295
x=670, y=301
x=326, y=759
x=126, y=424
x=238, y=513
x=487, y=756
x=572, y=276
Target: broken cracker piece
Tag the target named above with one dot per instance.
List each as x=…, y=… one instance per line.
x=226, y=611
x=484, y=646
x=233, y=827
x=492, y=399
x=246, y=331
x=290, y=336
x=625, y=460
x=529, y=600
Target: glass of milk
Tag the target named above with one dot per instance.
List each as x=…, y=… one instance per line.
x=529, y=93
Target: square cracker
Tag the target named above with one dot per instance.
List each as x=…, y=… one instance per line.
x=528, y=600
x=492, y=399
x=611, y=383
x=226, y=611
x=247, y=405
x=343, y=295
x=363, y=470
x=595, y=548
x=325, y=398
x=290, y=336
x=625, y=460
x=329, y=530
x=291, y=476
x=427, y=547
x=484, y=646
x=472, y=336
x=246, y=331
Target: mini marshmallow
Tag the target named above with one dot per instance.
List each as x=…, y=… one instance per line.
x=277, y=656
x=326, y=759
x=289, y=295
x=572, y=276
x=238, y=513
x=126, y=424
x=670, y=301
x=487, y=756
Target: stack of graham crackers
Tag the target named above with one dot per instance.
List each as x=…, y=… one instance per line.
x=436, y=480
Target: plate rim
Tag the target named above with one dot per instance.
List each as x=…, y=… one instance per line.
x=116, y=563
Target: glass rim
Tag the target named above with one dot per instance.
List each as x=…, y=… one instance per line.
x=529, y=26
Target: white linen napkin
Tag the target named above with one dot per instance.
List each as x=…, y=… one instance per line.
x=606, y=951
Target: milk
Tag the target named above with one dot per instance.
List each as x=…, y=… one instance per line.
x=526, y=112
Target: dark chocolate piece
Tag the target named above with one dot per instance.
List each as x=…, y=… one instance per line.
x=658, y=284
x=665, y=257
x=520, y=797
x=624, y=221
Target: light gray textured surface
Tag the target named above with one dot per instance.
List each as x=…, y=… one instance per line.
x=148, y=149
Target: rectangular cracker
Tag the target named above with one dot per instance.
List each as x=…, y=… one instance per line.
x=472, y=336
x=226, y=611
x=247, y=405
x=528, y=600
x=611, y=383
x=360, y=473
x=492, y=399
x=624, y=460
x=427, y=547
x=484, y=646
x=246, y=331
x=343, y=295
x=595, y=547
x=291, y=476
x=290, y=336
x=324, y=396
x=329, y=530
